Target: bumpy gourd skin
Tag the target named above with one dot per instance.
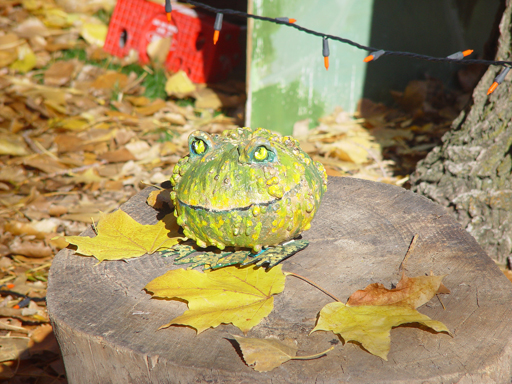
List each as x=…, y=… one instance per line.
x=246, y=188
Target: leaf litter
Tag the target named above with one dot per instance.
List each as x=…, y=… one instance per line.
x=82, y=132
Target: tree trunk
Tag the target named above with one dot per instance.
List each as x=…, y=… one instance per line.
x=470, y=173
x=107, y=325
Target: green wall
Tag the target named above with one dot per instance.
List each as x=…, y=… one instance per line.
x=288, y=81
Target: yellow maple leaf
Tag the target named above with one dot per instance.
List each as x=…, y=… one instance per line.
x=263, y=355
x=26, y=59
x=121, y=237
x=87, y=177
x=158, y=49
x=240, y=296
x=12, y=146
x=179, y=85
x=371, y=325
x=94, y=33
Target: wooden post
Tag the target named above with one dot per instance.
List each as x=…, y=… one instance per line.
x=107, y=325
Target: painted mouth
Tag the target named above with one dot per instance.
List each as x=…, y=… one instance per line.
x=241, y=209
x=292, y=192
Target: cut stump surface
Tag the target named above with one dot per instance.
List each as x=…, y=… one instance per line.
x=107, y=325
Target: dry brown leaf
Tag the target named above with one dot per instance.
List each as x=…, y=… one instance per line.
x=110, y=80
x=179, y=85
x=175, y=118
x=57, y=210
x=71, y=123
x=41, y=332
x=264, y=355
x=8, y=48
x=387, y=137
x=13, y=348
x=138, y=101
x=9, y=41
x=12, y=174
x=44, y=163
x=210, y=98
x=43, y=340
x=31, y=249
x=113, y=185
x=150, y=109
x=169, y=148
x=333, y=172
x=18, y=228
x=158, y=49
x=123, y=136
x=368, y=109
x=122, y=116
x=59, y=73
x=410, y=292
x=143, y=151
x=87, y=177
x=87, y=7
x=8, y=324
x=83, y=217
x=413, y=97
x=56, y=241
x=12, y=146
x=45, y=226
x=7, y=112
x=30, y=28
x=98, y=135
x=68, y=143
x=120, y=155
x=7, y=57
x=160, y=199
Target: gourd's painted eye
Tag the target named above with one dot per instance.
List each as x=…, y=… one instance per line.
x=258, y=151
x=198, y=146
x=261, y=153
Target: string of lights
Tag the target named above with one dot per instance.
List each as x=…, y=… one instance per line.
x=375, y=53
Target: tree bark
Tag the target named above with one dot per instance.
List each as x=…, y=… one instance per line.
x=470, y=173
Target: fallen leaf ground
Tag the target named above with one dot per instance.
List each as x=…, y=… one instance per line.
x=82, y=132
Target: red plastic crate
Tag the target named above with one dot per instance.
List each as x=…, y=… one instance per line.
x=135, y=23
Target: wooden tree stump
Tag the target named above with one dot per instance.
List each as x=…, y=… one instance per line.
x=107, y=325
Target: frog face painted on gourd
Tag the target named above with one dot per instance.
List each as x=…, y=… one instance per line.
x=246, y=188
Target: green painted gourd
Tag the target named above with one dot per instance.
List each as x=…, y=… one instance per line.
x=246, y=188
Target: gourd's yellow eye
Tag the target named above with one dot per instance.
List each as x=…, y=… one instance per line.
x=261, y=153
x=198, y=146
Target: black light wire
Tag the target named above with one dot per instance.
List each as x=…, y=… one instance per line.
x=233, y=12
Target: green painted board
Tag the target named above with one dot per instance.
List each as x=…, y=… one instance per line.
x=288, y=81
x=286, y=78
